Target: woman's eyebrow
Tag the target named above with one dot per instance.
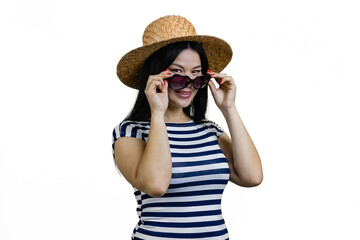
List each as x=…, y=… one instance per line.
x=180, y=66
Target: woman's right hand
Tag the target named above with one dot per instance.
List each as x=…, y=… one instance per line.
x=158, y=101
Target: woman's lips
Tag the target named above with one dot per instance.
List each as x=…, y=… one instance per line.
x=183, y=94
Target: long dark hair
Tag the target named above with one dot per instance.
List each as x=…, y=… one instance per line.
x=158, y=62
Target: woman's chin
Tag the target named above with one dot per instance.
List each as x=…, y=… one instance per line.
x=180, y=104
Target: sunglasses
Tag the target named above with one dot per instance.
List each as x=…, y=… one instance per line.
x=178, y=82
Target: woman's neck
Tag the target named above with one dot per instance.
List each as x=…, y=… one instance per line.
x=176, y=115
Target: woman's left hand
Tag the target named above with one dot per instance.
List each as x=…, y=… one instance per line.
x=225, y=94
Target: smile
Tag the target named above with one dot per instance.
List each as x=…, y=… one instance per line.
x=183, y=94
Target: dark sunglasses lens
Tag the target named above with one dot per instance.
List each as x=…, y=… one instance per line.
x=178, y=82
x=200, y=82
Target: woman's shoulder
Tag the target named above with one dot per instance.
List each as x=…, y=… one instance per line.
x=130, y=128
x=212, y=126
x=133, y=123
x=208, y=122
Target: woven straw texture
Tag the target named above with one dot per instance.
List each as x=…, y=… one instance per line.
x=165, y=30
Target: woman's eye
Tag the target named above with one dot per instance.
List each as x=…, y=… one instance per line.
x=176, y=70
x=196, y=72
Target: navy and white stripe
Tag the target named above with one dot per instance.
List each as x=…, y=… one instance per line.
x=191, y=207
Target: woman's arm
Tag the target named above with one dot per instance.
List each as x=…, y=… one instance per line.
x=148, y=166
x=240, y=151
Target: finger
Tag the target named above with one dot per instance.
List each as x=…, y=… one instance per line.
x=159, y=77
x=210, y=72
x=165, y=74
x=159, y=83
x=212, y=87
x=213, y=74
x=154, y=82
x=218, y=76
x=164, y=88
x=225, y=79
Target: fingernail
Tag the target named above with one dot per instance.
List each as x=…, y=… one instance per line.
x=169, y=73
x=212, y=74
x=221, y=81
x=208, y=71
x=165, y=70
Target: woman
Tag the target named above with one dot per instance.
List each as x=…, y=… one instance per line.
x=178, y=161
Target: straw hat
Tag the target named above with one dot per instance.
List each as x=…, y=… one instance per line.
x=165, y=30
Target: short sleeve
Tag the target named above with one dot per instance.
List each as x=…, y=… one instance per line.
x=213, y=127
x=128, y=129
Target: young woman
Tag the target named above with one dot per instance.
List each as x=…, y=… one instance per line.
x=178, y=161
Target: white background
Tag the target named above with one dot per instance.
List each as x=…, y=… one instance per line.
x=296, y=65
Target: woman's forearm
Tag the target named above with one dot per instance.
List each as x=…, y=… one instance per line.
x=155, y=168
x=246, y=159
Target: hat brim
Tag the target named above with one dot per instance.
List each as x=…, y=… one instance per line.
x=218, y=52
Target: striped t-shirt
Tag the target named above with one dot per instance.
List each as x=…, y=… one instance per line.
x=191, y=207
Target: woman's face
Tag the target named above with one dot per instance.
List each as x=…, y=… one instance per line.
x=187, y=63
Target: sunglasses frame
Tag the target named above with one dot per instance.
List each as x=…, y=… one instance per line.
x=203, y=84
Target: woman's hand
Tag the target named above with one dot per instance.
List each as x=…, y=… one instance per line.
x=156, y=92
x=224, y=96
